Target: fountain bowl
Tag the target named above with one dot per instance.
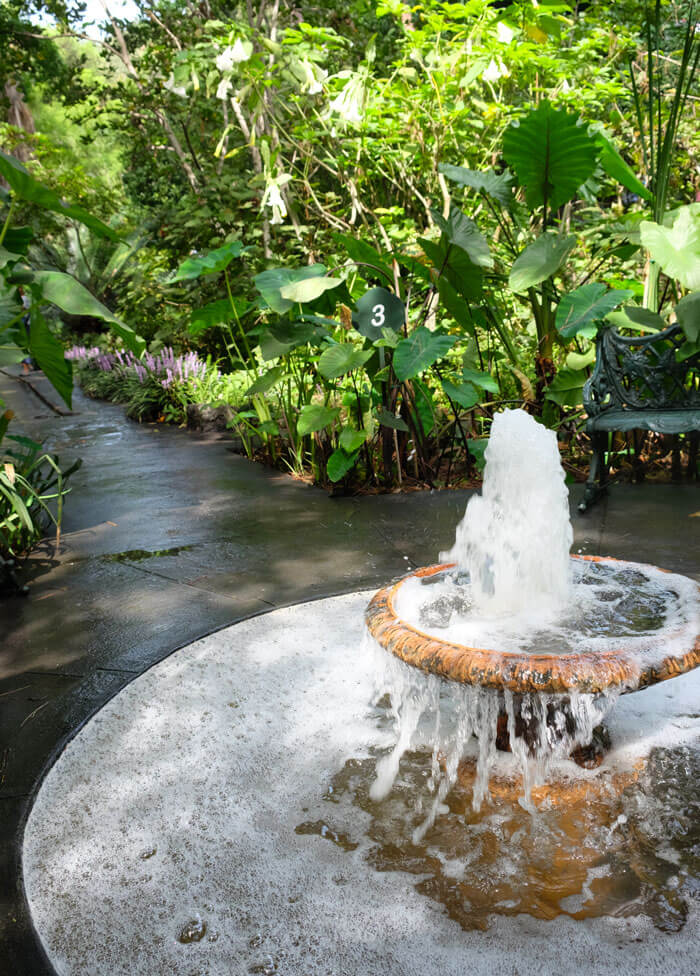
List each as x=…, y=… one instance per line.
x=590, y=672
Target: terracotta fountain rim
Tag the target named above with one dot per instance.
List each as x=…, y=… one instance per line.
x=589, y=672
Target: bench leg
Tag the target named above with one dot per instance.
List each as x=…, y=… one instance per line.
x=676, y=459
x=596, y=486
x=693, y=438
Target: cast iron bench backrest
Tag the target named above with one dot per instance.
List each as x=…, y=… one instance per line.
x=641, y=373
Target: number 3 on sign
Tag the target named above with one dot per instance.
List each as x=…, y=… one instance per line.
x=378, y=316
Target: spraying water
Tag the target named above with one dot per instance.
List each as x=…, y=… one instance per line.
x=514, y=588
x=515, y=537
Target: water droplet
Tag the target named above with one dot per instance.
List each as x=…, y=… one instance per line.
x=267, y=966
x=322, y=829
x=193, y=931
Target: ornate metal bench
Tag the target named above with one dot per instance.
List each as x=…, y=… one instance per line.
x=638, y=384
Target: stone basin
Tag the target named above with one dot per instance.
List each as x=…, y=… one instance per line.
x=618, y=670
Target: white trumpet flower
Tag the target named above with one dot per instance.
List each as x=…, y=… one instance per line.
x=175, y=89
x=495, y=70
x=272, y=197
x=234, y=54
x=312, y=77
x=349, y=102
x=224, y=88
x=504, y=33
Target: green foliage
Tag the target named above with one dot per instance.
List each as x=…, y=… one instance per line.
x=540, y=260
x=688, y=315
x=210, y=263
x=491, y=184
x=314, y=417
x=340, y=359
x=26, y=188
x=676, y=249
x=444, y=166
x=580, y=310
x=32, y=489
x=551, y=154
x=419, y=351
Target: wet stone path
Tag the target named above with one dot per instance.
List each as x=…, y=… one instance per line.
x=168, y=536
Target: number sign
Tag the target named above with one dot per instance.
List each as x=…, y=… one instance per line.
x=378, y=309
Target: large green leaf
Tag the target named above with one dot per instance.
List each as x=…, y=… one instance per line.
x=212, y=262
x=216, y=313
x=339, y=463
x=309, y=289
x=282, y=336
x=463, y=232
x=455, y=305
x=8, y=257
x=70, y=296
x=499, y=186
x=483, y=380
x=10, y=308
x=644, y=316
x=29, y=189
x=419, y=351
x=266, y=381
x=582, y=308
x=677, y=248
x=11, y=354
x=351, y=440
x=636, y=318
x=315, y=416
x=477, y=447
x=615, y=166
x=387, y=419
x=48, y=353
x=466, y=394
x=270, y=284
x=540, y=260
x=342, y=358
x=366, y=257
x=464, y=276
x=552, y=155
x=18, y=239
x=688, y=315
x=566, y=388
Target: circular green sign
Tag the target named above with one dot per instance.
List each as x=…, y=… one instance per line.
x=378, y=309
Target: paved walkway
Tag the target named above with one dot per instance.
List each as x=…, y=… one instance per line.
x=168, y=536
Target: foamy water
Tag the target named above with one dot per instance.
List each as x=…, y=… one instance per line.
x=225, y=793
x=515, y=588
x=648, y=611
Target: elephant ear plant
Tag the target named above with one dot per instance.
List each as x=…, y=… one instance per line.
x=32, y=484
x=550, y=155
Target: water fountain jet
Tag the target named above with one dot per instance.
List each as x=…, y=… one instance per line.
x=529, y=646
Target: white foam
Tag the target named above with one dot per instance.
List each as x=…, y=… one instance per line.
x=180, y=800
x=586, y=623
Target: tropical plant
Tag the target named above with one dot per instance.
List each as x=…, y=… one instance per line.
x=552, y=156
x=670, y=68
x=32, y=490
x=30, y=481
x=43, y=288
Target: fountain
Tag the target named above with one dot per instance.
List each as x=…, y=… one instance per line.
x=569, y=634
x=282, y=797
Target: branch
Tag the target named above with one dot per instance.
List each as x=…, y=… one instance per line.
x=165, y=29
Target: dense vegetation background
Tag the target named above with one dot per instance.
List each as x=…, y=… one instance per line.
x=358, y=228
